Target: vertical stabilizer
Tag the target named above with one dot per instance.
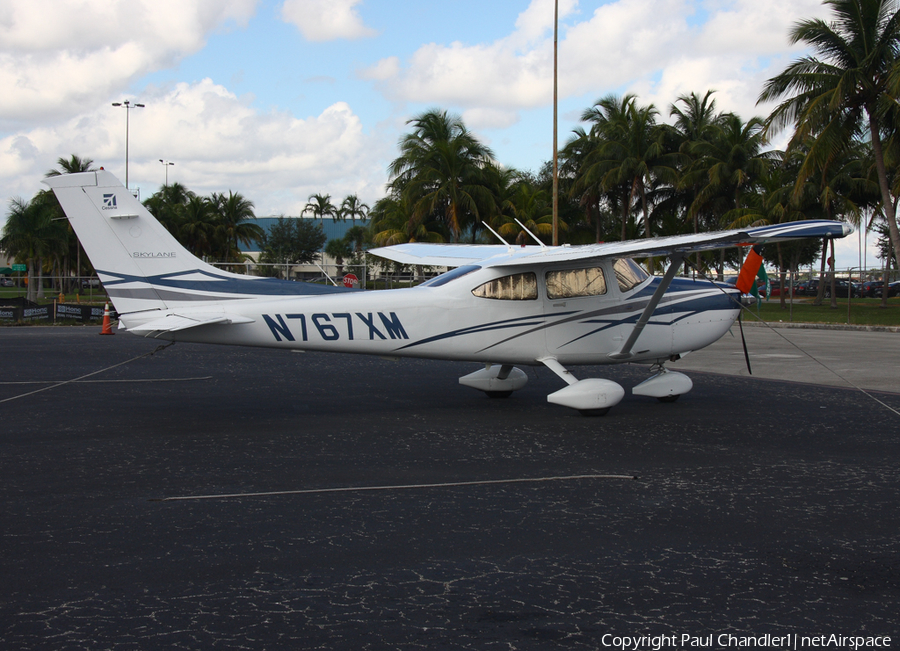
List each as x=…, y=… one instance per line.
x=128, y=247
x=142, y=266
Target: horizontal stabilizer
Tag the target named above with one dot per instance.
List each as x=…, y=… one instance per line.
x=177, y=322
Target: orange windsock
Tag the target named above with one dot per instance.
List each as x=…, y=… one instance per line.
x=747, y=278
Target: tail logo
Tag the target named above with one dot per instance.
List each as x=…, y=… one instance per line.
x=109, y=202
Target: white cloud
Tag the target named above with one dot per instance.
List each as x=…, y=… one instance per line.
x=59, y=56
x=658, y=49
x=620, y=40
x=536, y=22
x=755, y=27
x=383, y=70
x=488, y=118
x=326, y=20
x=217, y=142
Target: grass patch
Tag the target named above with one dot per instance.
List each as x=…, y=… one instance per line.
x=863, y=311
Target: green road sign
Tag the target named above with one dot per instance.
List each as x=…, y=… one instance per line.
x=19, y=267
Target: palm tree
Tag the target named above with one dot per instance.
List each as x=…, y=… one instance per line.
x=391, y=224
x=232, y=215
x=358, y=237
x=730, y=170
x=530, y=205
x=853, y=77
x=168, y=206
x=73, y=165
x=630, y=152
x=340, y=250
x=837, y=187
x=320, y=207
x=696, y=121
x=31, y=234
x=197, y=227
x=441, y=172
x=352, y=207
x=695, y=117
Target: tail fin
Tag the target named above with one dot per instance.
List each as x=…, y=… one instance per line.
x=130, y=250
x=141, y=265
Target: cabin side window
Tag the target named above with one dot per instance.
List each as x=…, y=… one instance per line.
x=571, y=283
x=629, y=274
x=517, y=287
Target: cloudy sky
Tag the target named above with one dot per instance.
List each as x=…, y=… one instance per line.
x=279, y=99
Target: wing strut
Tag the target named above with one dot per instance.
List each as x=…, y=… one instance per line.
x=625, y=353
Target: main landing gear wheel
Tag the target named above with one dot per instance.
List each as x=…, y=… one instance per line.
x=496, y=381
x=669, y=398
x=589, y=397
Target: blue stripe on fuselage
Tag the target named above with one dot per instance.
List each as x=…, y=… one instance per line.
x=226, y=284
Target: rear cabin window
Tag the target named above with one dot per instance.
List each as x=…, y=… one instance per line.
x=629, y=274
x=517, y=287
x=571, y=283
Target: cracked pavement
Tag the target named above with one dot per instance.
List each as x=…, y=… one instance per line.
x=759, y=506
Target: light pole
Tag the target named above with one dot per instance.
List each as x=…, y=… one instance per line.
x=555, y=195
x=128, y=106
x=166, y=163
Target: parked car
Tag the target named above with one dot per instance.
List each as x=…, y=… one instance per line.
x=90, y=282
x=7, y=282
x=867, y=290
x=842, y=288
x=893, y=289
x=807, y=287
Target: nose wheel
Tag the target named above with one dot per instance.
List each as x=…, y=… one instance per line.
x=664, y=385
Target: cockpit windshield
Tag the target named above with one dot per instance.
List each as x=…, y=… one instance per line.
x=453, y=274
x=629, y=274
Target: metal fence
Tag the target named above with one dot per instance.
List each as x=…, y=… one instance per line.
x=87, y=288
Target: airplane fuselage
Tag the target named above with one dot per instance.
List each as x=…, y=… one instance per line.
x=450, y=322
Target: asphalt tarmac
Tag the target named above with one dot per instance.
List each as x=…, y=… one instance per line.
x=371, y=504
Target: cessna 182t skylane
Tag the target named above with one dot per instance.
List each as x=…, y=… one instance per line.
x=499, y=305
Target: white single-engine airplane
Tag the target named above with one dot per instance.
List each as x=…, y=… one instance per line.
x=500, y=305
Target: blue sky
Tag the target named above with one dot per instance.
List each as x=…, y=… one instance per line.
x=280, y=99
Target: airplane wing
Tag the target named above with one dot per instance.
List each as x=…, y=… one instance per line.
x=455, y=255
x=176, y=322
x=443, y=255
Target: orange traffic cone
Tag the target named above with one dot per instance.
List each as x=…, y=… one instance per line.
x=107, y=328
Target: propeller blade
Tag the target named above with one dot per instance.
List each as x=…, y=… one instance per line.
x=744, y=342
